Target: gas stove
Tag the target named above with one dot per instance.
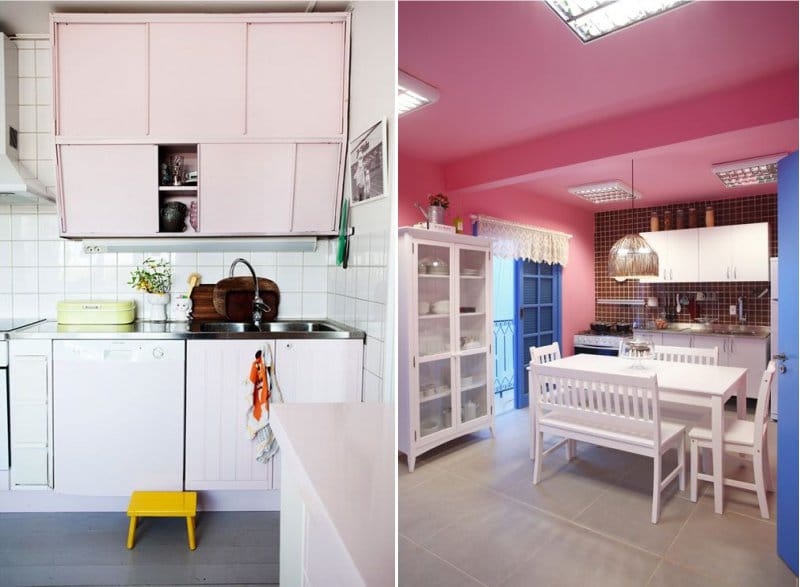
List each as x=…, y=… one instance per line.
x=10, y=324
x=596, y=342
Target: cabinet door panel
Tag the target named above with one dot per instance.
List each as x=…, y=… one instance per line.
x=295, y=79
x=109, y=189
x=197, y=79
x=751, y=252
x=219, y=455
x=338, y=381
x=316, y=188
x=683, y=255
x=715, y=253
x=659, y=242
x=102, y=80
x=29, y=465
x=246, y=189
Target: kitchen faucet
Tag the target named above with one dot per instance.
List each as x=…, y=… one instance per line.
x=258, y=304
x=740, y=310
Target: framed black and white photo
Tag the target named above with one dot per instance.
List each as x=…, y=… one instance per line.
x=368, y=164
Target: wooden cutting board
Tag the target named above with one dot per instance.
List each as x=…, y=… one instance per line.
x=233, y=298
x=203, y=303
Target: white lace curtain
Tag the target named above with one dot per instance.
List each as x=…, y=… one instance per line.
x=521, y=241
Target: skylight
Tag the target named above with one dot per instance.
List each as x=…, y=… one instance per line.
x=592, y=19
x=601, y=193
x=413, y=93
x=748, y=171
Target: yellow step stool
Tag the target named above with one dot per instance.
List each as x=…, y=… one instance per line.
x=163, y=504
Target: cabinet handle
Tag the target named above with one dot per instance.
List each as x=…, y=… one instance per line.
x=731, y=351
x=727, y=273
x=734, y=272
x=665, y=274
x=670, y=274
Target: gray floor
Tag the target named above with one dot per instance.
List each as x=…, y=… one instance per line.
x=233, y=548
x=469, y=515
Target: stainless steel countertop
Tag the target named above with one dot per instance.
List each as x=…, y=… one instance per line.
x=174, y=330
x=712, y=330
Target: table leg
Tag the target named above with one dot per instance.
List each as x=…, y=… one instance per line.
x=741, y=400
x=717, y=432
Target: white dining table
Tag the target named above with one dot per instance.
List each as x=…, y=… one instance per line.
x=707, y=386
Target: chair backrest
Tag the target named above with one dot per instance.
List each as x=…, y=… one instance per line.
x=627, y=402
x=680, y=354
x=544, y=354
x=762, y=404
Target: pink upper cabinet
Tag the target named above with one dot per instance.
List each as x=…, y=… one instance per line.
x=295, y=79
x=246, y=188
x=101, y=80
x=197, y=79
x=109, y=190
x=316, y=191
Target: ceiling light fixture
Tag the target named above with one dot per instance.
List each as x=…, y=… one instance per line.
x=413, y=93
x=748, y=171
x=592, y=19
x=609, y=191
x=632, y=257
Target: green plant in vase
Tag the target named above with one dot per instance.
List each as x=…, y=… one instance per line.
x=154, y=277
x=437, y=204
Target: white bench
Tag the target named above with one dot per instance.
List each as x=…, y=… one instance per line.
x=615, y=411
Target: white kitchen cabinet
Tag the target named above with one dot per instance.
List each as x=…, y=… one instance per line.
x=319, y=371
x=316, y=187
x=295, y=79
x=30, y=414
x=197, y=79
x=446, y=372
x=677, y=254
x=737, y=252
x=219, y=453
x=108, y=190
x=739, y=351
x=101, y=80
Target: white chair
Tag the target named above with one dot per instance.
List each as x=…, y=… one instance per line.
x=742, y=437
x=680, y=354
x=540, y=356
x=615, y=411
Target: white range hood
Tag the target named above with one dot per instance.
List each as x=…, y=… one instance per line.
x=14, y=187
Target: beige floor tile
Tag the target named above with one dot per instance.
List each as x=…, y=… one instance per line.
x=418, y=567
x=731, y=547
x=489, y=546
x=441, y=501
x=581, y=557
x=669, y=575
x=423, y=471
x=624, y=512
x=495, y=464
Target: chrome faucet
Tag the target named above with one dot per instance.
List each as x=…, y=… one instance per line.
x=740, y=310
x=258, y=304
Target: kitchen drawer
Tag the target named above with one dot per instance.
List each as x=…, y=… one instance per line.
x=29, y=465
x=28, y=379
x=30, y=423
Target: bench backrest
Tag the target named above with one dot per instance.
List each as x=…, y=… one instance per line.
x=615, y=402
x=680, y=354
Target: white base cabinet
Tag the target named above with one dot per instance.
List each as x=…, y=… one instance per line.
x=30, y=413
x=445, y=375
x=320, y=371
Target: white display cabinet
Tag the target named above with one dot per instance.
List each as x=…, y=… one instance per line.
x=446, y=381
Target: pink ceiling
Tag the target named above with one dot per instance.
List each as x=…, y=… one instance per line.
x=517, y=85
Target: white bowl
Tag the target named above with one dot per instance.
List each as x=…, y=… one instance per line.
x=429, y=426
x=441, y=307
x=424, y=308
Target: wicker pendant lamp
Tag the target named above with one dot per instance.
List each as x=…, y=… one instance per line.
x=632, y=257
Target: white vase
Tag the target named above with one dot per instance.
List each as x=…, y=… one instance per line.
x=158, y=306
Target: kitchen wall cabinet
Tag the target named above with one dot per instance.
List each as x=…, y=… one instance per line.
x=30, y=414
x=677, y=255
x=313, y=371
x=219, y=454
x=278, y=82
x=101, y=74
x=735, y=253
x=289, y=68
x=108, y=190
x=197, y=79
x=446, y=372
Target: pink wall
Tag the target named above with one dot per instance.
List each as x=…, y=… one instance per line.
x=418, y=178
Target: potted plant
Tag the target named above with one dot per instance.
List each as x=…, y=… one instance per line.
x=437, y=204
x=154, y=277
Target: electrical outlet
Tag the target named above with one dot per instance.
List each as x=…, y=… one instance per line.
x=732, y=310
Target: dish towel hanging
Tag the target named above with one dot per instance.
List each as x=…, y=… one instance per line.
x=262, y=376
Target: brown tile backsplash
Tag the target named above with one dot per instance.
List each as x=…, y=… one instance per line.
x=610, y=226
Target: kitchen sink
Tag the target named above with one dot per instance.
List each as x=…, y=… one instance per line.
x=299, y=326
x=228, y=327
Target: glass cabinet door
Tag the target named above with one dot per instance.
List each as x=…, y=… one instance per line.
x=472, y=299
x=435, y=396
x=433, y=299
x=473, y=386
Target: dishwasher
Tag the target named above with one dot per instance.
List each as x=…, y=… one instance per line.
x=118, y=422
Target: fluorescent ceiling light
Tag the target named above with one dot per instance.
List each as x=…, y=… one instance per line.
x=748, y=171
x=592, y=19
x=609, y=191
x=413, y=93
